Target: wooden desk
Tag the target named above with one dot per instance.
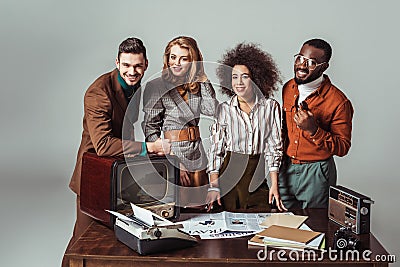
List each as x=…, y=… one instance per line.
x=99, y=247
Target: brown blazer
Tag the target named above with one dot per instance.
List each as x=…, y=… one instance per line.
x=104, y=110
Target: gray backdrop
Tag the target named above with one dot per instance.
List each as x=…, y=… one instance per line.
x=51, y=51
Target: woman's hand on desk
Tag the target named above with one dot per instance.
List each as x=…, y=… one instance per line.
x=212, y=196
x=274, y=192
x=274, y=196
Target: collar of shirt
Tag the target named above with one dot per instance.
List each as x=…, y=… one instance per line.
x=235, y=102
x=319, y=91
x=129, y=90
x=308, y=88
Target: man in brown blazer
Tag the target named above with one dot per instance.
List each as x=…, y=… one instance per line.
x=105, y=104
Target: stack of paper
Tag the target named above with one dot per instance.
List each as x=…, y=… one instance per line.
x=283, y=219
x=288, y=238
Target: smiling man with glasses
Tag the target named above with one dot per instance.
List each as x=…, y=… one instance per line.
x=317, y=125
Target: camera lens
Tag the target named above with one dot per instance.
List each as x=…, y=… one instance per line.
x=354, y=243
x=341, y=243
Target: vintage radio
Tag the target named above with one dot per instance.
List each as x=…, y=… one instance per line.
x=112, y=183
x=350, y=209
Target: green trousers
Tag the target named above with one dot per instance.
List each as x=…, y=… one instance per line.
x=306, y=185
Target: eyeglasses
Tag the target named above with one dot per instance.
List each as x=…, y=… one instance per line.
x=311, y=64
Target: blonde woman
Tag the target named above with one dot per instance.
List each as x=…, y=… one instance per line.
x=173, y=104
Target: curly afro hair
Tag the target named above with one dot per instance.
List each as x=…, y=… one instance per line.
x=263, y=70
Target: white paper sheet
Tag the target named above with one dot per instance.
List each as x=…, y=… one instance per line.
x=120, y=216
x=142, y=214
x=224, y=224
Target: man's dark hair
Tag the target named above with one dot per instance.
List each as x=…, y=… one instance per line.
x=321, y=44
x=263, y=70
x=132, y=45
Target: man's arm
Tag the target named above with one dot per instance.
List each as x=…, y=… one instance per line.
x=337, y=140
x=98, y=110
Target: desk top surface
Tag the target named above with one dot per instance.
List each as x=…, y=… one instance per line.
x=98, y=241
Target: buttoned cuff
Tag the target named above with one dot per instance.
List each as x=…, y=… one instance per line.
x=274, y=169
x=317, y=137
x=144, y=149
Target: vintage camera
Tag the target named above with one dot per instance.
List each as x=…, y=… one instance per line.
x=343, y=240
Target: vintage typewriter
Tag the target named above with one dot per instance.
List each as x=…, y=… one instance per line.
x=150, y=237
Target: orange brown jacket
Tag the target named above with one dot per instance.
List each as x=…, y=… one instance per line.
x=333, y=113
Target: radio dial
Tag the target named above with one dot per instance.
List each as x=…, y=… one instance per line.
x=364, y=210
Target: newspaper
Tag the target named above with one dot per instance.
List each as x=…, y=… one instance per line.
x=224, y=224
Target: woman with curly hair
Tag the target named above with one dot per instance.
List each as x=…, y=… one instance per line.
x=173, y=104
x=247, y=129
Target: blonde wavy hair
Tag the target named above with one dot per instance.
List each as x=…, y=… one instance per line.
x=196, y=72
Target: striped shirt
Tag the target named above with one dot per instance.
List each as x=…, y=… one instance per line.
x=254, y=133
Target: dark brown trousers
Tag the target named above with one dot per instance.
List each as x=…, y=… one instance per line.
x=195, y=195
x=237, y=197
